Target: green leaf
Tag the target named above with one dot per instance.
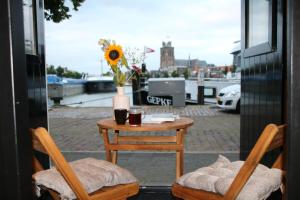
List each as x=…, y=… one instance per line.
x=121, y=79
x=115, y=79
x=124, y=62
x=114, y=68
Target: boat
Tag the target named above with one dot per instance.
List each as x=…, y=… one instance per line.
x=99, y=84
x=59, y=87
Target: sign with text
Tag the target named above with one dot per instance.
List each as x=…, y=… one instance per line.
x=160, y=100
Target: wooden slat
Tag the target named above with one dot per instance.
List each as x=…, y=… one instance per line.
x=106, y=144
x=272, y=137
x=116, y=192
x=193, y=194
x=36, y=165
x=159, y=139
x=181, y=123
x=252, y=161
x=158, y=147
x=60, y=163
x=179, y=154
x=54, y=194
x=36, y=145
x=278, y=141
x=115, y=153
x=120, y=192
x=279, y=163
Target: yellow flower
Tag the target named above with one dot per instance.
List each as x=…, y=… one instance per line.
x=113, y=53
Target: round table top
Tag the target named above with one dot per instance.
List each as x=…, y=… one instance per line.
x=181, y=123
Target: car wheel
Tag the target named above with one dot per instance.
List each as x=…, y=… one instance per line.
x=238, y=107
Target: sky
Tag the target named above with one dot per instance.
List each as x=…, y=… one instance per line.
x=203, y=29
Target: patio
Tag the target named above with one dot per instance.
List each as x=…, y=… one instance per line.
x=214, y=132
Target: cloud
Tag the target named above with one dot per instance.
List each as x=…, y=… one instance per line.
x=204, y=29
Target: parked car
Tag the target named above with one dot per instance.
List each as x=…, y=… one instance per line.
x=229, y=97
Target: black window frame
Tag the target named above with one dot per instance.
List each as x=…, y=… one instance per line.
x=265, y=47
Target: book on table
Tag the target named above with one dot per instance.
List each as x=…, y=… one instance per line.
x=160, y=118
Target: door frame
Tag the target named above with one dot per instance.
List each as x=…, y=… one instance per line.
x=15, y=146
x=293, y=98
x=15, y=142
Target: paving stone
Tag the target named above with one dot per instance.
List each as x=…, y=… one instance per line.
x=75, y=129
x=214, y=132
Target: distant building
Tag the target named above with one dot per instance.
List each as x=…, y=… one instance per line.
x=179, y=69
x=218, y=71
x=169, y=64
x=236, y=52
x=155, y=73
x=167, y=57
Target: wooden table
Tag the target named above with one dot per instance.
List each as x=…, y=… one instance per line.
x=133, y=143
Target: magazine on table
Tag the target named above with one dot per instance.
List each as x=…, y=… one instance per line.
x=160, y=118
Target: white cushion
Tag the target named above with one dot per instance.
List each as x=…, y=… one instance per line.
x=219, y=176
x=92, y=173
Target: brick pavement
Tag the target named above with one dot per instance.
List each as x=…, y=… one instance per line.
x=214, y=132
x=74, y=129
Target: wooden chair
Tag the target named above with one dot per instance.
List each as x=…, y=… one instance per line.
x=43, y=142
x=271, y=138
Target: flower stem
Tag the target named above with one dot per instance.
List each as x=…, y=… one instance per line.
x=131, y=75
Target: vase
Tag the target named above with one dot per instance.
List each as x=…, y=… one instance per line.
x=120, y=100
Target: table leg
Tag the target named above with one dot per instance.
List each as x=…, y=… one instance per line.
x=106, y=144
x=179, y=153
x=115, y=153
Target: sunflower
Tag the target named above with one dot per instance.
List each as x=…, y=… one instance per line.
x=113, y=53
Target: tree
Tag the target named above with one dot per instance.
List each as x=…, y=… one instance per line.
x=165, y=74
x=72, y=74
x=60, y=71
x=175, y=74
x=234, y=68
x=51, y=70
x=186, y=74
x=57, y=11
x=156, y=75
x=107, y=74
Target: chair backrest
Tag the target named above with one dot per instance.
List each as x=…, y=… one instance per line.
x=271, y=138
x=42, y=141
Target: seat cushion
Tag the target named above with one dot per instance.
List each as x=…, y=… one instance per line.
x=218, y=177
x=92, y=173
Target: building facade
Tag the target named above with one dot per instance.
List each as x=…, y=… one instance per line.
x=167, y=57
x=168, y=63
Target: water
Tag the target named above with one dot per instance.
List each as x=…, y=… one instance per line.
x=105, y=99
x=92, y=100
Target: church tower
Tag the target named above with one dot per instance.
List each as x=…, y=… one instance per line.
x=167, y=55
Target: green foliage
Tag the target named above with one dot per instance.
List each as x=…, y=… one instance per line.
x=175, y=74
x=146, y=74
x=57, y=11
x=107, y=74
x=59, y=71
x=63, y=72
x=186, y=74
x=119, y=79
x=156, y=75
x=51, y=69
x=72, y=74
x=234, y=68
x=165, y=74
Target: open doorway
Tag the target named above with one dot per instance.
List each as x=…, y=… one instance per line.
x=263, y=72
x=188, y=41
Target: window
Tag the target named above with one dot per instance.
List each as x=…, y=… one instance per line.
x=29, y=28
x=260, y=32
